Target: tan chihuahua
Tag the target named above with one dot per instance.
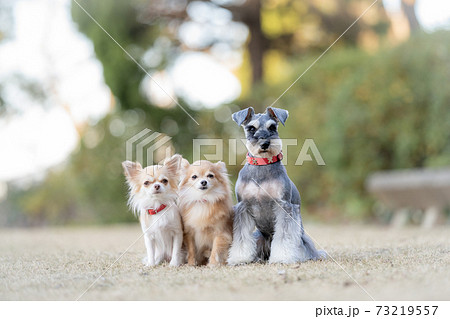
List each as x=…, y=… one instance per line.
x=206, y=209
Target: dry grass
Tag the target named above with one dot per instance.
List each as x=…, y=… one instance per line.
x=59, y=264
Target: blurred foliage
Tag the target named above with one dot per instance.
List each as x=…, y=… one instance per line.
x=121, y=73
x=290, y=27
x=392, y=113
x=88, y=189
x=365, y=111
x=30, y=87
x=389, y=110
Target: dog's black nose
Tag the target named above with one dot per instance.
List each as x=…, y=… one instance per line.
x=157, y=186
x=203, y=183
x=265, y=145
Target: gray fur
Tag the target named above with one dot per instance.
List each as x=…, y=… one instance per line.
x=280, y=114
x=279, y=236
x=243, y=116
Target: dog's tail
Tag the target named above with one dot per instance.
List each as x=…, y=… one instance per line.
x=311, y=251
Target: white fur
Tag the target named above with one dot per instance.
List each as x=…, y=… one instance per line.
x=197, y=213
x=254, y=123
x=273, y=150
x=286, y=245
x=243, y=247
x=163, y=236
x=270, y=122
x=243, y=252
x=163, y=232
x=191, y=194
x=250, y=190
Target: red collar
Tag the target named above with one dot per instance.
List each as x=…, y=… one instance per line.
x=258, y=161
x=156, y=211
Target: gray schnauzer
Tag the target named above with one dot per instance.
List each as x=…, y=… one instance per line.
x=267, y=198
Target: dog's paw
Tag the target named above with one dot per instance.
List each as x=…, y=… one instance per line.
x=175, y=262
x=282, y=258
x=282, y=261
x=192, y=262
x=322, y=255
x=237, y=263
x=148, y=263
x=239, y=260
x=240, y=256
x=213, y=264
x=285, y=261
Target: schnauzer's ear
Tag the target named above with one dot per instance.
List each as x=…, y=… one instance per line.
x=242, y=117
x=131, y=171
x=173, y=164
x=222, y=167
x=278, y=114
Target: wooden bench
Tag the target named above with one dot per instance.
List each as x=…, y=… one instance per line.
x=404, y=190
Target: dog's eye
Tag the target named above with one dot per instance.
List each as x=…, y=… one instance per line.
x=273, y=127
x=210, y=176
x=251, y=129
x=164, y=181
x=146, y=183
x=194, y=176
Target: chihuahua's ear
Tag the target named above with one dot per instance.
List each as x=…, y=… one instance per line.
x=184, y=168
x=131, y=171
x=184, y=164
x=278, y=114
x=222, y=167
x=173, y=164
x=242, y=117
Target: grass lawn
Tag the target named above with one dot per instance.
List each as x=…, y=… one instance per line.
x=61, y=263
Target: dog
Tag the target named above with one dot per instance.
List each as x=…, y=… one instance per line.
x=267, y=198
x=207, y=212
x=153, y=198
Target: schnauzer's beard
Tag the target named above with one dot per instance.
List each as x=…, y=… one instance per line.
x=273, y=150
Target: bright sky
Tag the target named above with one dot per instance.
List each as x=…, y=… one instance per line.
x=431, y=14
x=48, y=48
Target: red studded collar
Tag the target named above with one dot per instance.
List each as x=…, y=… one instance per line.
x=152, y=211
x=258, y=161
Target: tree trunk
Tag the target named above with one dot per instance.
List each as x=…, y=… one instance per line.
x=408, y=7
x=251, y=16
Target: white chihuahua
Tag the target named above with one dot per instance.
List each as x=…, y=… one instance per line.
x=153, y=198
